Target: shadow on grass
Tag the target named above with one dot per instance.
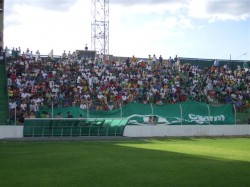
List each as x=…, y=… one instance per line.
x=108, y=164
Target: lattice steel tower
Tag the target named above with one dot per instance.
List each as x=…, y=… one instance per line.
x=100, y=26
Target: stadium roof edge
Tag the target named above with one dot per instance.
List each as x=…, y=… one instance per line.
x=212, y=59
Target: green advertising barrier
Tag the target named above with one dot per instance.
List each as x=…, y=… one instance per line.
x=185, y=113
x=112, y=123
x=202, y=113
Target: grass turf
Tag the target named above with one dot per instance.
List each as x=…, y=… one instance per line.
x=150, y=162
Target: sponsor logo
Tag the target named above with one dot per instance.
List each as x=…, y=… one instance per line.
x=204, y=119
x=198, y=119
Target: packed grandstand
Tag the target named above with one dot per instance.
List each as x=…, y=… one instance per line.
x=36, y=82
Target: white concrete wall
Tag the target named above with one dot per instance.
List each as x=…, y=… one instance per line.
x=186, y=130
x=7, y=131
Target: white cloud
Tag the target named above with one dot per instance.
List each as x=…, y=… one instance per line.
x=147, y=2
x=142, y=31
x=185, y=22
x=219, y=9
x=47, y=29
x=59, y=5
x=157, y=8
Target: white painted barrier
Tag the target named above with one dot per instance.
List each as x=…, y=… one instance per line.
x=9, y=131
x=185, y=130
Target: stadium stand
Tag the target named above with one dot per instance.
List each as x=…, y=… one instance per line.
x=37, y=83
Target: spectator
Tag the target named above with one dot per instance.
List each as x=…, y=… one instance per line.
x=160, y=61
x=64, y=55
x=21, y=119
x=154, y=120
x=134, y=60
x=216, y=63
x=74, y=82
x=175, y=59
x=69, y=115
x=59, y=115
x=149, y=60
x=51, y=54
x=150, y=120
x=154, y=59
x=37, y=55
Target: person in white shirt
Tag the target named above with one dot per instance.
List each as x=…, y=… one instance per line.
x=124, y=98
x=37, y=55
x=7, y=52
x=100, y=96
x=69, y=55
x=154, y=59
x=19, y=52
x=18, y=82
x=27, y=53
x=216, y=63
x=34, y=107
x=64, y=55
x=51, y=54
x=31, y=55
x=24, y=95
x=74, y=55
x=100, y=57
x=51, y=84
x=23, y=106
x=83, y=106
x=12, y=105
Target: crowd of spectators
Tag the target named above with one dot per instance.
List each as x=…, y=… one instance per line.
x=97, y=84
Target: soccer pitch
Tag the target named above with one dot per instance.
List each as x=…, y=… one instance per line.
x=130, y=163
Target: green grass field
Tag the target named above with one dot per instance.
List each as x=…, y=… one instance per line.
x=131, y=163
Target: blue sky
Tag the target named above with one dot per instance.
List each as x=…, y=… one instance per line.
x=212, y=29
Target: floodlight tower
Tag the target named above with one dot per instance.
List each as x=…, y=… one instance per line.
x=100, y=26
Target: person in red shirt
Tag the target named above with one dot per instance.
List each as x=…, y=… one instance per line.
x=13, y=78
